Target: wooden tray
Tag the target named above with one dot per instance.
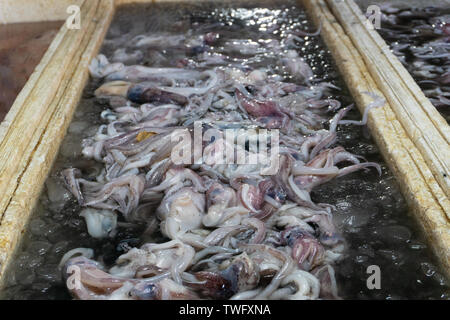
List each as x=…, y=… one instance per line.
x=411, y=134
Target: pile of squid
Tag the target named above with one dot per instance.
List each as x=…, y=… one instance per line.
x=420, y=38
x=227, y=231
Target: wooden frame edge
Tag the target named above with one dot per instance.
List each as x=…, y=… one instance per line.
x=422, y=191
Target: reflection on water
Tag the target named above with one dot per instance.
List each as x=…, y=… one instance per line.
x=22, y=46
x=370, y=210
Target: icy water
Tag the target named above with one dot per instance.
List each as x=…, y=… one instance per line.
x=22, y=46
x=416, y=32
x=370, y=211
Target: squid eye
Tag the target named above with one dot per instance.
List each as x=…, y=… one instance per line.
x=281, y=195
x=296, y=156
x=251, y=89
x=330, y=240
x=135, y=93
x=145, y=292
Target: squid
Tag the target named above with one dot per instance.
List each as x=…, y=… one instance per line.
x=242, y=274
x=89, y=282
x=419, y=37
x=298, y=68
x=265, y=112
x=307, y=252
x=180, y=213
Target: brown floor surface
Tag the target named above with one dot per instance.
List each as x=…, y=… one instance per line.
x=22, y=46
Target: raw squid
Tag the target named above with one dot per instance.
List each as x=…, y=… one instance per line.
x=228, y=228
x=420, y=37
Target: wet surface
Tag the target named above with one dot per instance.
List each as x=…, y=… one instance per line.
x=370, y=210
x=22, y=46
x=420, y=37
